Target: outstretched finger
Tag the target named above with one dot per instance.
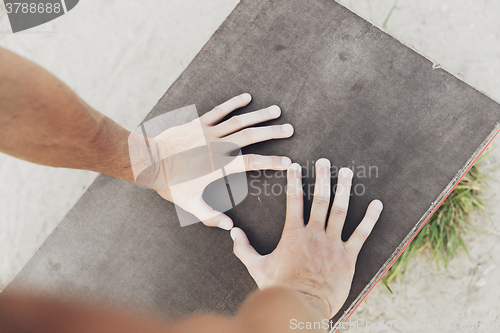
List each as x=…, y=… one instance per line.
x=321, y=200
x=243, y=249
x=220, y=111
x=237, y=123
x=253, y=135
x=340, y=204
x=294, y=198
x=359, y=236
x=210, y=216
x=252, y=162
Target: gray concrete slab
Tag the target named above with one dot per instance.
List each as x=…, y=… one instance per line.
x=354, y=95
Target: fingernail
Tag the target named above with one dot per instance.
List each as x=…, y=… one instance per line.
x=246, y=96
x=294, y=167
x=377, y=204
x=225, y=224
x=274, y=110
x=286, y=161
x=233, y=234
x=346, y=172
x=323, y=162
x=287, y=128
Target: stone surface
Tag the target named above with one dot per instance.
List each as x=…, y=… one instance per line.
x=354, y=95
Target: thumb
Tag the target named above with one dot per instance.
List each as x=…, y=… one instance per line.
x=242, y=248
x=210, y=216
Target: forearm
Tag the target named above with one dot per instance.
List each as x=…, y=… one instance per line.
x=43, y=121
x=21, y=313
x=280, y=310
x=268, y=311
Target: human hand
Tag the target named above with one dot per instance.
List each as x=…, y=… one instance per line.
x=312, y=258
x=196, y=154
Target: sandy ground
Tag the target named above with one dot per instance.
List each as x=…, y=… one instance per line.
x=121, y=56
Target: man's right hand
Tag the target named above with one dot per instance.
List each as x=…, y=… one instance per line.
x=312, y=259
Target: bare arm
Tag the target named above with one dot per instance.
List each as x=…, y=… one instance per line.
x=43, y=121
x=267, y=311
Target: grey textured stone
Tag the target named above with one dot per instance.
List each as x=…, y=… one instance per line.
x=354, y=95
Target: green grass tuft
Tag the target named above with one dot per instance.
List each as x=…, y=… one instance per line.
x=443, y=233
x=384, y=25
